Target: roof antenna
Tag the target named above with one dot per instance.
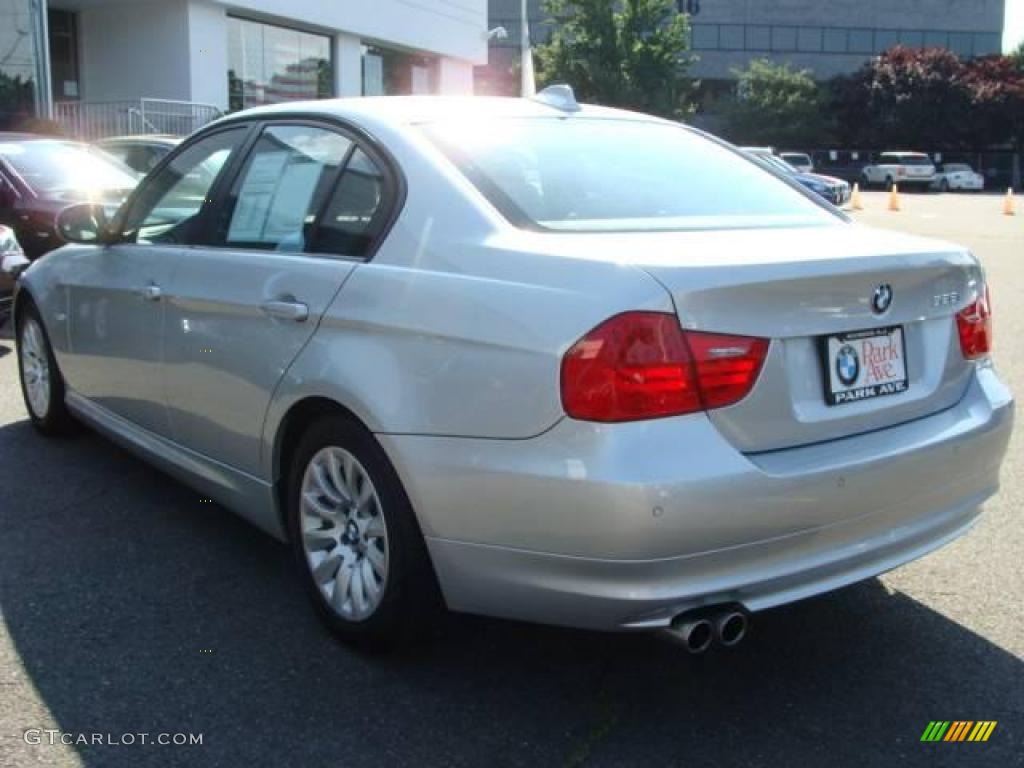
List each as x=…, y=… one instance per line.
x=560, y=97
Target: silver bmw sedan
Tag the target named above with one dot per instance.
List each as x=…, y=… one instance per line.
x=527, y=359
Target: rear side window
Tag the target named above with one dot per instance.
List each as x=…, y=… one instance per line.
x=286, y=179
x=355, y=214
x=587, y=174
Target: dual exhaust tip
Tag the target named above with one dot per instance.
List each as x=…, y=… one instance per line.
x=697, y=630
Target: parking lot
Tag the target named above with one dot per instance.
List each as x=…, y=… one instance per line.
x=130, y=606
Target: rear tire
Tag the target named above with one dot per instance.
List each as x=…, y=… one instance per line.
x=944, y=186
x=42, y=385
x=355, y=539
x=888, y=183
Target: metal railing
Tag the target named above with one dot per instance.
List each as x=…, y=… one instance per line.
x=89, y=121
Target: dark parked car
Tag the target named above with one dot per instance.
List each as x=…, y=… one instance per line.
x=836, y=191
x=41, y=175
x=140, y=153
x=12, y=262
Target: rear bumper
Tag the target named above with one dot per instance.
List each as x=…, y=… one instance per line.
x=624, y=526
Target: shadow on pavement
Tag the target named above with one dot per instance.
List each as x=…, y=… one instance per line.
x=134, y=607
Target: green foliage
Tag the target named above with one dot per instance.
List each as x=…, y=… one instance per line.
x=631, y=54
x=1016, y=57
x=773, y=105
x=930, y=98
x=906, y=97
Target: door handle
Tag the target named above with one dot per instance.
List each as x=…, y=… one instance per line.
x=286, y=310
x=152, y=292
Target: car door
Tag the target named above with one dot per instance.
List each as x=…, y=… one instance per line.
x=116, y=311
x=239, y=312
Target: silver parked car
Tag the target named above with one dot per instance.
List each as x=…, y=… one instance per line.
x=526, y=359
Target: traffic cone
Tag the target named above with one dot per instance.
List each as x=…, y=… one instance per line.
x=894, y=198
x=1008, y=203
x=855, y=201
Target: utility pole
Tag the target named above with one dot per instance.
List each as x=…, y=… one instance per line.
x=527, y=85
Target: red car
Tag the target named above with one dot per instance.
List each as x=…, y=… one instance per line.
x=41, y=175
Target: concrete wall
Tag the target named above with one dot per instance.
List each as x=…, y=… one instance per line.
x=131, y=49
x=455, y=77
x=207, y=53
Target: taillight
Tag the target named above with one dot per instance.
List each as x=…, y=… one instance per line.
x=974, y=324
x=642, y=365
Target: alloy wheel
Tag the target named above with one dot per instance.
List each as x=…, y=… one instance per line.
x=35, y=368
x=344, y=534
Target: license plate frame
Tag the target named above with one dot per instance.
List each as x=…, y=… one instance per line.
x=837, y=391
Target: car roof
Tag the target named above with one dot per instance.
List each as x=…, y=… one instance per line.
x=397, y=111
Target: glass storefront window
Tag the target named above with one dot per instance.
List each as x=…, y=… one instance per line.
x=19, y=61
x=388, y=72
x=268, y=64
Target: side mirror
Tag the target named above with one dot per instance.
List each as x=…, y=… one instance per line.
x=83, y=223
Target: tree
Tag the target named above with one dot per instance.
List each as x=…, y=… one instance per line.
x=996, y=87
x=631, y=54
x=905, y=97
x=1017, y=57
x=775, y=105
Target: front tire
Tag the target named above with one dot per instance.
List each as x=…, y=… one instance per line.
x=944, y=186
x=42, y=385
x=355, y=538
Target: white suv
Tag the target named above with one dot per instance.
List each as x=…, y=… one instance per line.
x=904, y=168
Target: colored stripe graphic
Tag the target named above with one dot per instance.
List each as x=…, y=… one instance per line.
x=958, y=730
x=982, y=730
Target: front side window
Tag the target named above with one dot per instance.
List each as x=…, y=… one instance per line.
x=589, y=174
x=276, y=198
x=168, y=207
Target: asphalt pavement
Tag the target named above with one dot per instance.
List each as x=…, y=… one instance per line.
x=130, y=606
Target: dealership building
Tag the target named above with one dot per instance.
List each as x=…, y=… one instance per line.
x=825, y=36
x=103, y=66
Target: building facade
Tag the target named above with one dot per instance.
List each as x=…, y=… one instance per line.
x=832, y=38
x=56, y=55
x=825, y=36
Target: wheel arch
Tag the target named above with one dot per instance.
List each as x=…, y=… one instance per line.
x=22, y=299
x=289, y=430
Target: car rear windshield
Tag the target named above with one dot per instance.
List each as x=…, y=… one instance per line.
x=590, y=174
x=51, y=166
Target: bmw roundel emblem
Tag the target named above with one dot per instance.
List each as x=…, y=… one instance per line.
x=881, y=299
x=847, y=365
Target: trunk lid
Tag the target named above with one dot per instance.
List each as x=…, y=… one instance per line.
x=798, y=286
